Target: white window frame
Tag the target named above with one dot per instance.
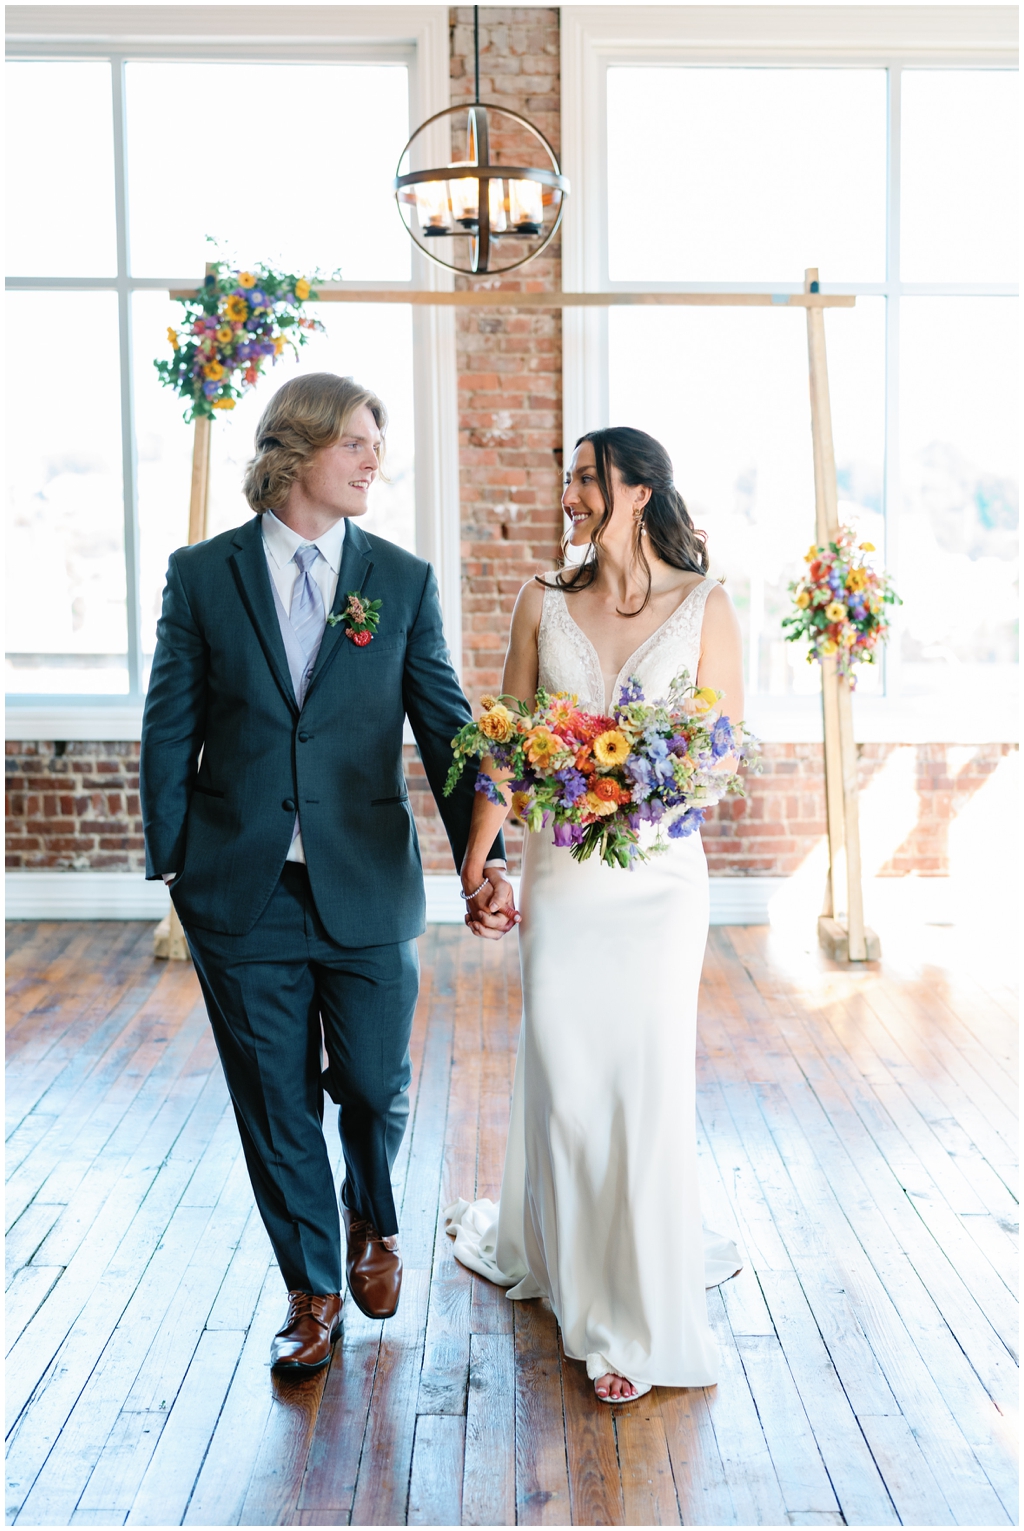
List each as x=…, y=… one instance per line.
x=595, y=37
x=416, y=35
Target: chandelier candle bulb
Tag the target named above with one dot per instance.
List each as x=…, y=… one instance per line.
x=432, y=207
x=465, y=198
x=496, y=207
x=526, y=206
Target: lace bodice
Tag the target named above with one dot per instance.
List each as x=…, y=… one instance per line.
x=568, y=660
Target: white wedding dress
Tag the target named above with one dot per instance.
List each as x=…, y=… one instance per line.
x=600, y=1208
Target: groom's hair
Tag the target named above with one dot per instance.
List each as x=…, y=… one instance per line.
x=306, y=414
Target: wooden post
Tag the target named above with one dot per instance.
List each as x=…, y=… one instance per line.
x=841, y=928
x=169, y=938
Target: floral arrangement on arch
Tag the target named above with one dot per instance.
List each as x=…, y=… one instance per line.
x=841, y=604
x=596, y=780
x=236, y=322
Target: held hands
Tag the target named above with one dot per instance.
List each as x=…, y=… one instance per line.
x=491, y=912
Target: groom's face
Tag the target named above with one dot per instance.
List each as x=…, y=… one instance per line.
x=339, y=477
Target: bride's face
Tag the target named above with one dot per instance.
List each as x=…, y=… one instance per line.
x=583, y=501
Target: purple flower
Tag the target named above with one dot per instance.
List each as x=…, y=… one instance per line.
x=651, y=812
x=685, y=824
x=568, y=834
x=257, y=298
x=574, y=785
x=721, y=738
x=631, y=692
x=677, y=745
x=639, y=771
x=485, y=785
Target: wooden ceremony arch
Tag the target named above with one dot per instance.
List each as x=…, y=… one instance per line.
x=841, y=928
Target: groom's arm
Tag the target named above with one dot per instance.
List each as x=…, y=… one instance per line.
x=436, y=707
x=173, y=727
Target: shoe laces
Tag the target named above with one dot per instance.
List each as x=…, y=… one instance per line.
x=306, y=1305
x=360, y=1228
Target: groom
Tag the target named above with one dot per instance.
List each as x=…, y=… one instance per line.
x=275, y=806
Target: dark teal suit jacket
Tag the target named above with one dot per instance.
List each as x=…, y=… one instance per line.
x=228, y=758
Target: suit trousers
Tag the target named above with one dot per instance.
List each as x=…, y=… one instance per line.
x=269, y=995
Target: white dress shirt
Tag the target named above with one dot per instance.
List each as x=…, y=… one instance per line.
x=280, y=544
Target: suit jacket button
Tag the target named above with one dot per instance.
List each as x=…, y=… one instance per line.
x=288, y=805
x=303, y=738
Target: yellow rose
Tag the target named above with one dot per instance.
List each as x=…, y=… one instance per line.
x=498, y=724
x=487, y=702
x=802, y=599
x=595, y=804
x=223, y=403
x=302, y=289
x=835, y=611
x=867, y=547
x=214, y=371
x=611, y=747
x=224, y=334
x=246, y=279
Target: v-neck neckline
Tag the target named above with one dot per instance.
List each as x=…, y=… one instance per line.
x=608, y=704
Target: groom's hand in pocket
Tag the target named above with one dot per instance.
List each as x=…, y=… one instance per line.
x=492, y=914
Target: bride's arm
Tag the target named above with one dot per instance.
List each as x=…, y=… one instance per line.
x=721, y=659
x=520, y=681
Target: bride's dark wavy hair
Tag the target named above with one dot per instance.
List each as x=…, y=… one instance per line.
x=641, y=461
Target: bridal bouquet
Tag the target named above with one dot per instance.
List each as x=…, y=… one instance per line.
x=840, y=604
x=596, y=780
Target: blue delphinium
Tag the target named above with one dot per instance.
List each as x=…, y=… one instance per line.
x=574, y=785
x=685, y=824
x=630, y=693
x=721, y=738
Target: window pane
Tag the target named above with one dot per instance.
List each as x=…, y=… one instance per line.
x=60, y=170
x=958, y=531
x=958, y=179
x=726, y=391
x=66, y=628
x=372, y=343
x=731, y=175
x=305, y=183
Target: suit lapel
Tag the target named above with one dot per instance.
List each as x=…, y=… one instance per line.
x=249, y=566
x=353, y=574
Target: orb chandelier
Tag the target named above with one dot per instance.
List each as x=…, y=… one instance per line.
x=496, y=207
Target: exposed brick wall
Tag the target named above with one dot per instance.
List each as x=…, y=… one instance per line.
x=510, y=365
x=771, y=831
x=79, y=809
x=74, y=806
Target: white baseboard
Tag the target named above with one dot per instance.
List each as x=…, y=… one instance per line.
x=128, y=896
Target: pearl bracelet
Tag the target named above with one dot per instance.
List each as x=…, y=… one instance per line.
x=468, y=897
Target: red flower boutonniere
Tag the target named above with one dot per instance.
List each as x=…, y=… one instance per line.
x=360, y=618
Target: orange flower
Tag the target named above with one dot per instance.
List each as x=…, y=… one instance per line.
x=498, y=724
x=520, y=803
x=543, y=747
x=606, y=789
x=585, y=761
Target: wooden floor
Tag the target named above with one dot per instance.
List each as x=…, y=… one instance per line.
x=856, y=1134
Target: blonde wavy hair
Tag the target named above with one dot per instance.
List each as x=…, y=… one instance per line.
x=308, y=413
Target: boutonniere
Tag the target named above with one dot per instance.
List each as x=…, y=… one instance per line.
x=360, y=618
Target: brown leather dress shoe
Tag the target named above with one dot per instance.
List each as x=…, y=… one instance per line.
x=373, y=1267
x=313, y=1324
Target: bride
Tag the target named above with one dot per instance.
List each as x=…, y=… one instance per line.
x=600, y=1209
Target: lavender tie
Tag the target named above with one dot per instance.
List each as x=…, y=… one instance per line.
x=307, y=609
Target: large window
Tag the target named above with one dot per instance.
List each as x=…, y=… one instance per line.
x=718, y=170
x=112, y=200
